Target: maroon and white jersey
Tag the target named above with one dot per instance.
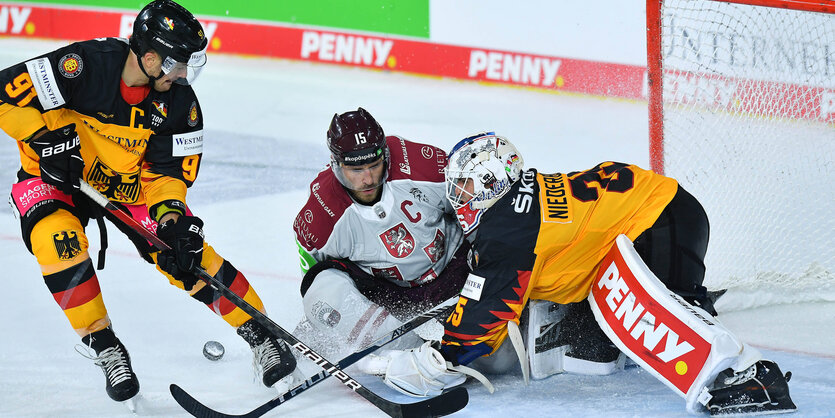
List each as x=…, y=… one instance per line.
x=409, y=236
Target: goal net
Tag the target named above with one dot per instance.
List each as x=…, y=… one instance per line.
x=742, y=113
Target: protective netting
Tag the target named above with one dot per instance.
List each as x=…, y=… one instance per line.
x=749, y=129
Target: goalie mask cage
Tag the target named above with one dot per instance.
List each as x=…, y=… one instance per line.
x=742, y=113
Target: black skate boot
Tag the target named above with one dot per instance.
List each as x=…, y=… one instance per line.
x=272, y=356
x=761, y=388
x=113, y=358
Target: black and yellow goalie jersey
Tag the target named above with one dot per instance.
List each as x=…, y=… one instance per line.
x=135, y=154
x=545, y=240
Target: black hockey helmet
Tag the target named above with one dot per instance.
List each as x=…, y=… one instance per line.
x=355, y=138
x=172, y=32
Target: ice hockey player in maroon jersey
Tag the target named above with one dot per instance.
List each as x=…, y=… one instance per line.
x=378, y=241
x=121, y=116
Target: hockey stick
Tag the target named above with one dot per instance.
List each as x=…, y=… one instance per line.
x=455, y=402
x=436, y=407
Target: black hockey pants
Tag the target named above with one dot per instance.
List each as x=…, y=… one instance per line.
x=674, y=248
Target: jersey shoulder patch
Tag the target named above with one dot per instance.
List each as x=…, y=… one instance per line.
x=325, y=205
x=415, y=161
x=78, y=74
x=180, y=110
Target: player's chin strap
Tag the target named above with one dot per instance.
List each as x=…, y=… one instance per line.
x=151, y=79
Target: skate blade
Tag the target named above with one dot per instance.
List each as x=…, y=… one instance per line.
x=133, y=404
x=284, y=384
x=753, y=411
x=141, y=406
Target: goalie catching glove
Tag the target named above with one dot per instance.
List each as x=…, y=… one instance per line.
x=420, y=372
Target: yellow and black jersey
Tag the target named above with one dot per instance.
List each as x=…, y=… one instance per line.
x=135, y=154
x=545, y=239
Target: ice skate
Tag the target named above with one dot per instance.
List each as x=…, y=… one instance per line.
x=271, y=356
x=759, y=389
x=111, y=355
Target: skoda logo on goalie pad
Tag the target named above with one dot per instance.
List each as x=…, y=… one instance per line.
x=398, y=241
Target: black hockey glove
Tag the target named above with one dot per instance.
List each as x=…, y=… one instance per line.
x=185, y=237
x=60, y=158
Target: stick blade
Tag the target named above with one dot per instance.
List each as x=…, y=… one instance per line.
x=444, y=404
x=194, y=407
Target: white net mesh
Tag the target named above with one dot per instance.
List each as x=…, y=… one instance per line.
x=749, y=129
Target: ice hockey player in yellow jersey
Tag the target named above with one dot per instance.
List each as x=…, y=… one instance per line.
x=121, y=115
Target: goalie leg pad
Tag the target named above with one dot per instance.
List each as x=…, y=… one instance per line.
x=337, y=311
x=680, y=344
x=567, y=339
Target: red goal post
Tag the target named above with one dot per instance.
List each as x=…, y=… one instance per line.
x=742, y=112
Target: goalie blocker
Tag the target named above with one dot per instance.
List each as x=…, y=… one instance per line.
x=680, y=344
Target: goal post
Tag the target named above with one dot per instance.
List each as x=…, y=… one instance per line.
x=742, y=113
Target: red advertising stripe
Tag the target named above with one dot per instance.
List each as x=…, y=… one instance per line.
x=754, y=97
x=57, y=23
x=351, y=49
x=646, y=327
x=403, y=55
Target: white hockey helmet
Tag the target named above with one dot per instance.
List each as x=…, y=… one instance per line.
x=480, y=170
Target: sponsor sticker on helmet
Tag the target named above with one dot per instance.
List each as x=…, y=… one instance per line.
x=70, y=65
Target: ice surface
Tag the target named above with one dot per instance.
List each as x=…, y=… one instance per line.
x=265, y=133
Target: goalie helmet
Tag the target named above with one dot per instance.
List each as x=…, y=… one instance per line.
x=175, y=34
x=480, y=170
x=354, y=139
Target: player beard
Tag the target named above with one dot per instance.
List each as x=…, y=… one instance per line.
x=367, y=196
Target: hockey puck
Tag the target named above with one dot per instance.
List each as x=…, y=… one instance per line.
x=213, y=350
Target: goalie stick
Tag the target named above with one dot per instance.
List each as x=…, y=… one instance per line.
x=444, y=404
x=441, y=405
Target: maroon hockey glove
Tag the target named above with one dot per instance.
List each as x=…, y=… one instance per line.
x=185, y=237
x=60, y=158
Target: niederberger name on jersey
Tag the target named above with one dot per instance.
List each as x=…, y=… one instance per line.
x=555, y=201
